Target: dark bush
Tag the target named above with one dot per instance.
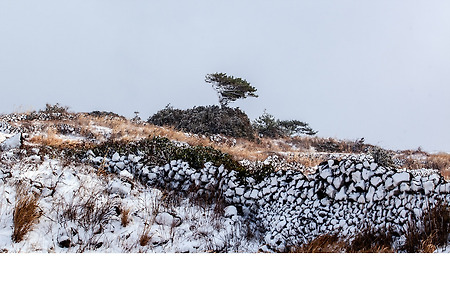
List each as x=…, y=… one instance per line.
x=207, y=120
x=51, y=112
x=329, y=145
x=106, y=114
x=381, y=156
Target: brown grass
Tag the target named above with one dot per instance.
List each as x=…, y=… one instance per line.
x=427, y=246
x=309, y=161
x=371, y=241
x=125, y=217
x=327, y=243
x=50, y=138
x=366, y=241
x=441, y=162
x=26, y=212
x=438, y=161
x=433, y=234
x=145, y=237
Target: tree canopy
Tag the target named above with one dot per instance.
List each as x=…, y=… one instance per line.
x=229, y=88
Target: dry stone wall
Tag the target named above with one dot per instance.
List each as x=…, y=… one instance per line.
x=290, y=208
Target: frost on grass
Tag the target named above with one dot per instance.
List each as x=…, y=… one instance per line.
x=51, y=206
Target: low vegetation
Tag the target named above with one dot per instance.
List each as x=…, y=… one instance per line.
x=158, y=151
x=431, y=232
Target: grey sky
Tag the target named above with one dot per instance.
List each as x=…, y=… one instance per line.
x=351, y=69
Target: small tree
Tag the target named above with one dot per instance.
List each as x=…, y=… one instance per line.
x=294, y=127
x=267, y=125
x=229, y=88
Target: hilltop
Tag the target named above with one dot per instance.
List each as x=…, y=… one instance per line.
x=76, y=182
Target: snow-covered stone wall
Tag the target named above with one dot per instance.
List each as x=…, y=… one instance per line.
x=290, y=208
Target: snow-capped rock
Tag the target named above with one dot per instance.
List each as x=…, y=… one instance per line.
x=167, y=219
x=401, y=177
x=230, y=211
x=12, y=142
x=118, y=187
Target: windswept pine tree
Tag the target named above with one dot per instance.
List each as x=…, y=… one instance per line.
x=229, y=88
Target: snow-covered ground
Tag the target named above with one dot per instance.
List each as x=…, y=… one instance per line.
x=81, y=211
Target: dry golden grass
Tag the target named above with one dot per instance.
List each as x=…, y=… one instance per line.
x=309, y=161
x=26, y=212
x=50, y=138
x=434, y=232
x=125, y=130
x=427, y=245
x=419, y=159
x=299, y=148
x=441, y=162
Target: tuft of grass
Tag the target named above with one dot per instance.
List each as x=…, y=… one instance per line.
x=145, y=237
x=125, y=217
x=26, y=213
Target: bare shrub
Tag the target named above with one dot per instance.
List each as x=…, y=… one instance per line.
x=328, y=144
x=91, y=210
x=204, y=197
x=26, y=212
x=92, y=213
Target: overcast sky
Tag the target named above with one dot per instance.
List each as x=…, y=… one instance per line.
x=351, y=69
